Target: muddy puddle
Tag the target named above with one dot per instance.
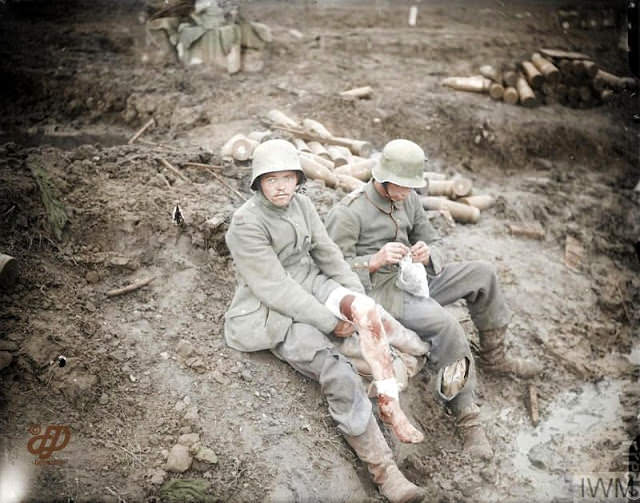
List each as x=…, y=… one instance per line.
x=581, y=422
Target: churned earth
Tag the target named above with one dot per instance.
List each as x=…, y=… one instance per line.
x=148, y=371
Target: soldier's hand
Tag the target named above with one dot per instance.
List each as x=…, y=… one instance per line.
x=391, y=253
x=420, y=252
x=344, y=329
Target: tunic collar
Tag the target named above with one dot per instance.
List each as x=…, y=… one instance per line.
x=263, y=201
x=378, y=200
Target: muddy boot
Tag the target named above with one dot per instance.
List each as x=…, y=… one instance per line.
x=372, y=448
x=474, y=438
x=492, y=354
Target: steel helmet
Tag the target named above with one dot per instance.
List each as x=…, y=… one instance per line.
x=274, y=155
x=402, y=163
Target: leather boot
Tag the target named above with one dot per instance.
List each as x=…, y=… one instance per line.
x=372, y=448
x=475, y=441
x=492, y=354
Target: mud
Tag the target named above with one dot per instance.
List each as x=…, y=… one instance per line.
x=144, y=368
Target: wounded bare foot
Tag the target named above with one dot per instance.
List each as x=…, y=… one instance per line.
x=392, y=414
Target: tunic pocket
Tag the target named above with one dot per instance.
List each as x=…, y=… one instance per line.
x=251, y=326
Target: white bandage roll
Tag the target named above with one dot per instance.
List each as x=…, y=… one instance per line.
x=335, y=297
x=387, y=387
x=333, y=301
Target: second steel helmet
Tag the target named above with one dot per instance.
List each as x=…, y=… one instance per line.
x=402, y=163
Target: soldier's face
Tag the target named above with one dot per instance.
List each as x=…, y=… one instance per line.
x=397, y=192
x=279, y=187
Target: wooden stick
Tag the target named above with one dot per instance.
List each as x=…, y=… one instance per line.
x=533, y=404
x=574, y=367
x=158, y=145
x=168, y=165
x=201, y=165
x=222, y=182
x=141, y=130
x=130, y=288
x=357, y=147
x=558, y=53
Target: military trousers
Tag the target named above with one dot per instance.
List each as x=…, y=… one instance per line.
x=477, y=283
x=312, y=354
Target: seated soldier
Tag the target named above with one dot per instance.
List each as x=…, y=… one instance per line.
x=295, y=292
x=378, y=226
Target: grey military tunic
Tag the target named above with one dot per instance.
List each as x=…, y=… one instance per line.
x=363, y=222
x=286, y=267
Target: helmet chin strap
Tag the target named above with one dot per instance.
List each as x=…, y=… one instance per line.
x=385, y=186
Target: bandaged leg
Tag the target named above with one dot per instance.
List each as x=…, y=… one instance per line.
x=362, y=312
x=404, y=365
x=402, y=338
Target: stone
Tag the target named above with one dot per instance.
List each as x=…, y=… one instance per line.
x=191, y=415
x=92, y=277
x=219, y=377
x=184, y=348
x=206, y=455
x=182, y=404
x=179, y=459
x=542, y=456
x=158, y=476
x=188, y=439
x=5, y=359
